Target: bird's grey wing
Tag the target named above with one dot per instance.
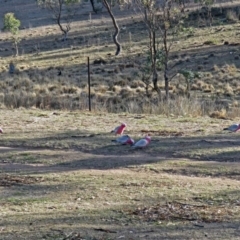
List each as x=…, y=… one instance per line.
x=233, y=127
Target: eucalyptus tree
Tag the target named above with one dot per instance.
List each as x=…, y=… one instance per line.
x=12, y=24
x=163, y=20
x=107, y=5
x=63, y=11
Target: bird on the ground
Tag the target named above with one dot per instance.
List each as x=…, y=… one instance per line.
x=120, y=129
x=233, y=128
x=1, y=131
x=124, y=140
x=142, y=142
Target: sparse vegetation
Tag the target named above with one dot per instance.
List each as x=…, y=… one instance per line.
x=63, y=11
x=12, y=24
x=61, y=175
x=46, y=89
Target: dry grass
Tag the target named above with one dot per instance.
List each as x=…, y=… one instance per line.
x=38, y=83
x=61, y=176
x=218, y=114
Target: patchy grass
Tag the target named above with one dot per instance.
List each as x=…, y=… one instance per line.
x=61, y=176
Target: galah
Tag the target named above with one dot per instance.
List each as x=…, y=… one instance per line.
x=120, y=129
x=233, y=128
x=1, y=131
x=124, y=140
x=142, y=142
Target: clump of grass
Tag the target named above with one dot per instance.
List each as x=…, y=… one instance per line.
x=237, y=90
x=195, y=87
x=219, y=114
x=40, y=89
x=216, y=68
x=207, y=88
x=121, y=82
x=210, y=42
x=136, y=84
x=19, y=99
x=231, y=69
x=140, y=90
x=232, y=16
x=200, y=83
x=101, y=88
x=235, y=103
x=234, y=112
x=117, y=89
x=69, y=89
x=23, y=82
x=179, y=89
x=228, y=90
x=126, y=92
x=235, y=83
x=53, y=88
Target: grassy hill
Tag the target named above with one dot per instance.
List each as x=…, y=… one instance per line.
x=117, y=82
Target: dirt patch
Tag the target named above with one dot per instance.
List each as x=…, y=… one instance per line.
x=192, y=172
x=7, y=180
x=163, y=133
x=184, y=212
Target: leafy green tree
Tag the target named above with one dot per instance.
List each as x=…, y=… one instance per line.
x=63, y=11
x=12, y=24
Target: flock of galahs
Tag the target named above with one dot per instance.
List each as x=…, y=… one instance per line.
x=126, y=139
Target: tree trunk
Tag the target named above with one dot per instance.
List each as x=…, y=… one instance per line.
x=119, y=48
x=16, y=47
x=65, y=36
x=68, y=28
x=93, y=6
x=153, y=51
x=166, y=51
x=154, y=62
x=166, y=81
x=188, y=88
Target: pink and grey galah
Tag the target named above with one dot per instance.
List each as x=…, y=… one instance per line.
x=120, y=129
x=142, y=142
x=124, y=140
x=233, y=128
x=1, y=131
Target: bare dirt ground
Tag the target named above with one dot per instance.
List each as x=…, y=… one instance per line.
x=63, y=178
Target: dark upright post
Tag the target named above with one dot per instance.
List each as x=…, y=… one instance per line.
x=89, y=87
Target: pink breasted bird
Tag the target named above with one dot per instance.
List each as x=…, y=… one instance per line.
x=233, y=128
x=120, y=129
x=124, y=140
x=142, y=142
x=1, y=131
